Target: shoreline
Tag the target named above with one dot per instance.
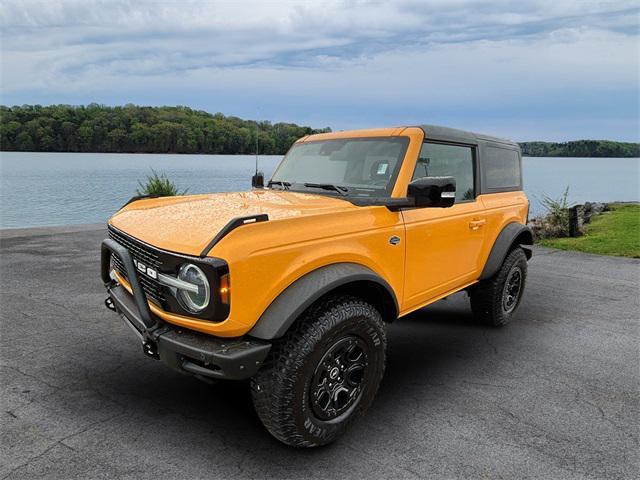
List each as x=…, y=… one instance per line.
x=252, y=154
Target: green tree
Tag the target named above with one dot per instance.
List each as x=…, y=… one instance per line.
x=581, y=148
x=131, y=128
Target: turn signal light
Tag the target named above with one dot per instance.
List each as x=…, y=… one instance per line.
x=225, y=289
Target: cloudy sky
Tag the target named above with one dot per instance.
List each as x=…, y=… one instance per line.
x=527, y=69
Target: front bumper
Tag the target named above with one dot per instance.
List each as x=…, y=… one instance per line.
x=184, y=350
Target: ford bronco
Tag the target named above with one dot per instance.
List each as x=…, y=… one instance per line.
x=291, y=284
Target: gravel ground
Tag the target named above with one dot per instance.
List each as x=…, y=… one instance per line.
x=553, y=395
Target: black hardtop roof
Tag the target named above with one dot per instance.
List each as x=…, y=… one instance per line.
x=437, y=132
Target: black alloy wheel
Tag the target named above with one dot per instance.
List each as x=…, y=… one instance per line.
x=337, y=380
x=512, y=288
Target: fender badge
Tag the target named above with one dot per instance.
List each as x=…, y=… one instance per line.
x=395, y=240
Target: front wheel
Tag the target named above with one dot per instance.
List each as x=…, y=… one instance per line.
x=323, y=374
x=495, y=301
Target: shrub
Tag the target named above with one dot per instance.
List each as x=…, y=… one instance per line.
x=555, y=223
x=159, y=185
x=558, y=211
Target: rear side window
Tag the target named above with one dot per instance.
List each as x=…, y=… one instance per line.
x=501, y=168
x=440, y=160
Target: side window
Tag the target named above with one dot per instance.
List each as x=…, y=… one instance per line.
x=501, y=168
x=439, y=160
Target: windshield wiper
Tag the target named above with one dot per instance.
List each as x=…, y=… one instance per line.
x=328, y=186
x=284, y=185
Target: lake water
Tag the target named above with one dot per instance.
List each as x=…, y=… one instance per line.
x=40, y=189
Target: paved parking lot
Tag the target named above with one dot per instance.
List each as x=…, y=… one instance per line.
x=554, y=395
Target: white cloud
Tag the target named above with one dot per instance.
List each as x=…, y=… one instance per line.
x=406, y=58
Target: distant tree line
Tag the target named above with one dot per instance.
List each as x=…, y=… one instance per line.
x=135, y=129
x=581, y=148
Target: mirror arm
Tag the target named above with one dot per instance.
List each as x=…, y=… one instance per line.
x=392, y=204
x=395, y=204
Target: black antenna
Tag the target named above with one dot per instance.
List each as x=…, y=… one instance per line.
x=256, y=148
x=257, y=181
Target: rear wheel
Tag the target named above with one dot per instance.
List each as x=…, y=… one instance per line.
x=323, y=374
x=496, y=300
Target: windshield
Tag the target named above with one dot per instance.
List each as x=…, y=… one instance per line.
x=352, y=166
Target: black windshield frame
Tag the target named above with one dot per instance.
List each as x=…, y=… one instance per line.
x=353, y=191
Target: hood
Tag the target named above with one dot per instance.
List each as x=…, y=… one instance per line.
x=187, y=224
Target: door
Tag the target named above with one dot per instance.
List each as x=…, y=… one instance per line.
x=443, y=245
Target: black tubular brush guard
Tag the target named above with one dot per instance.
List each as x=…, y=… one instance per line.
x=109, y=246
x=187, y=351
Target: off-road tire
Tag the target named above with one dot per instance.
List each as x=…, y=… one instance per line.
x=282, y=388
x=488, y=297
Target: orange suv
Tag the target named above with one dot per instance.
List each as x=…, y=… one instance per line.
x=291, y=284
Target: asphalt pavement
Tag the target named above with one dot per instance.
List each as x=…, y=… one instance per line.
x=553, y=395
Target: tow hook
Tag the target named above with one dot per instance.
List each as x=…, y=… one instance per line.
x=150, y=350
x=108, y=302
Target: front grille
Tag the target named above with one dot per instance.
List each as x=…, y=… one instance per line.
x=142, y=253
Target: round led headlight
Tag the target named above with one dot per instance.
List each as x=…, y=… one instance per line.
x=194, y=301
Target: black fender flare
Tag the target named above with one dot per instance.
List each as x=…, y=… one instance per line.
x=513, y=233
x=301, y=294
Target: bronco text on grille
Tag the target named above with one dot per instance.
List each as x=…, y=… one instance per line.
x=141, y=254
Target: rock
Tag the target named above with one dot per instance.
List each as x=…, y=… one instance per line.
x=593, y=208
x=548, y=226
x=543, y=228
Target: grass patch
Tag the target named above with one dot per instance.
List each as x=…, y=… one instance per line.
x=616, y=232
x=160, y=185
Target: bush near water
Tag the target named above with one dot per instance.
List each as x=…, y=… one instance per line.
x=158, y=184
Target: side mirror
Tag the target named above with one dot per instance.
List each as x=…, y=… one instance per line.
x=433, y=191
x=257, y=181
